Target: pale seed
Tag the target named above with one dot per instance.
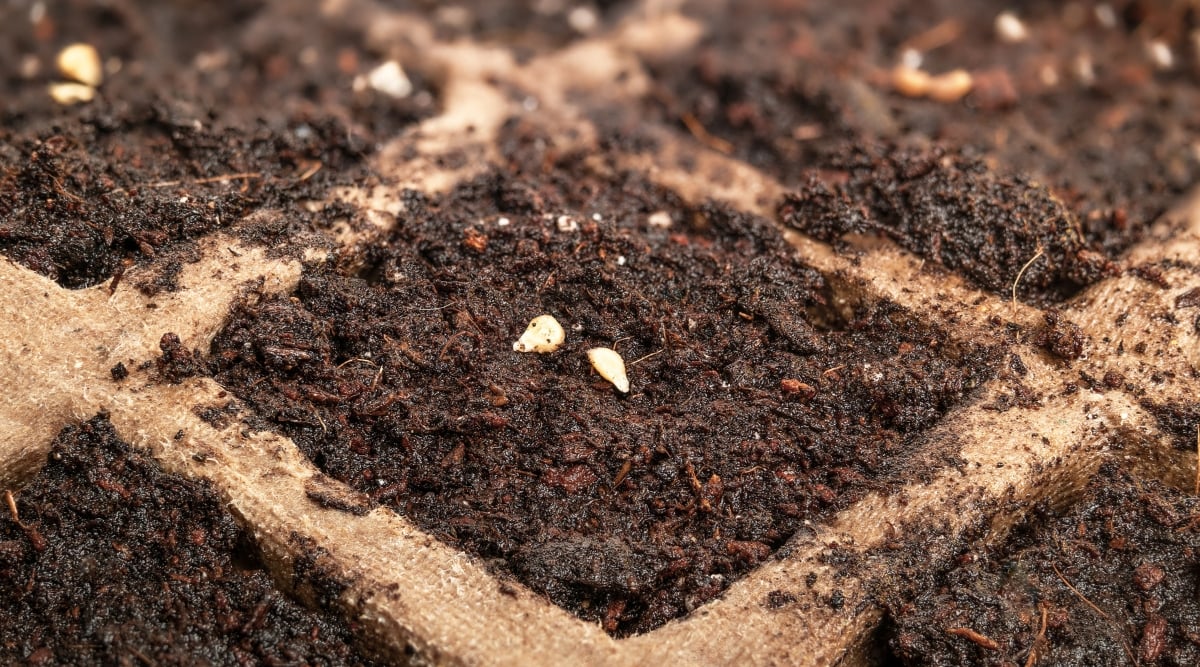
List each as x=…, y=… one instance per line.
x=543, y=335
x=610, y=366
x=71, y=93
x=951, y=86
x=81, y=62
x=910, y=82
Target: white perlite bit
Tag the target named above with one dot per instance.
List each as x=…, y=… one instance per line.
x=544, y=334
x=911, y=58
x=583, y=19
x=390, y=79
x=610, y=366
x=1160, y=54
x=1010, y=28
x=566, y=223
x=659, y=219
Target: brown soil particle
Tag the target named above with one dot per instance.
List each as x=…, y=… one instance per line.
x=1060, y=337
x=1189, y=299
x=177, y=362
x=953, y=210
x=1113, y=581
x=753, y=406
x=108, y=560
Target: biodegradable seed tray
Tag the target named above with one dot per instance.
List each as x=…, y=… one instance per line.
x=1052, y=380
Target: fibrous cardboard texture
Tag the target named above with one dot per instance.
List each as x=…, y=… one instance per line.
x=422, y=601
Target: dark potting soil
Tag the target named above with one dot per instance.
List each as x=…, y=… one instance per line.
x=763, y=406
x=215, y=111
x=84, y=202
x=1004, y=233
x=1181, y=420
x=756, y=405
x=1112, y=581
x=106, y=559
x=1078, y=108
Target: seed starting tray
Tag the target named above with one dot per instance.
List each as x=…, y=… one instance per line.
x=419, y=600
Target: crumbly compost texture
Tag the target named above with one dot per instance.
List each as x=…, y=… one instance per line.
x=1180, y=419
x=755, y=405
x=209, y=113
x=1004, y=233
x=83, y=202
x=1112, y=581
x=109, y=560
x=1080, y=106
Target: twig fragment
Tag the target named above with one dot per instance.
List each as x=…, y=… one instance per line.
x=642, y=358
x=1096, y=609
x=623, y=472
x=938, y=36
x=1037, y=641
x=716, y=143
x=1021, y=273
x=1081, y=596
x=227, y=177
x=12, y=506
x=832, y=372
x=244, y=175
x=311, y=171
x=969, y=634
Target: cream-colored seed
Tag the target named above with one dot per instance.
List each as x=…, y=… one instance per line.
x=81, y=62
x=910, y=82
x=610, y=366
x=543, y=335
x=951, y=86
x=71, y=93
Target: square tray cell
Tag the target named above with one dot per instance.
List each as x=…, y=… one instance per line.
x=104, y=557
x=1111, y=580
x=757, y=403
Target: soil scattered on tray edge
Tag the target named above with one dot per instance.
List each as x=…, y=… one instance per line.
x=401, y=381
x=1111, y=578
x=112, y=558
x=793, y=89
x=197, y=129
